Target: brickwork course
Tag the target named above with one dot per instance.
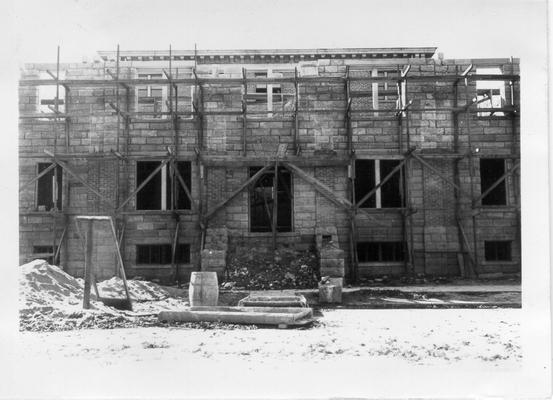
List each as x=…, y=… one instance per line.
x=347, y=118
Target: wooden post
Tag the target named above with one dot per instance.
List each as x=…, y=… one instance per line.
x=275, y=205
x=296, y=107
x=244, y=113
x=354, y=273
x=476, y=268
x=175, y=264
x=120, y=259
x=88, y=264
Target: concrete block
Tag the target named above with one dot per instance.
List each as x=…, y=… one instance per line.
x=332, y=263
x=331, y=253
x=335, y=272
x=330, y=294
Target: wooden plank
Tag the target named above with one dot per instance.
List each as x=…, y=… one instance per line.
x=319, y=186
x=232, y=162
x=81, y=180
x=238, y=81
x=120, y=241
x=327, y=192
x=120, y=259
x=95, y=286
x=244, y=113
x=275, y=204
x=57, y=253
x=386, y=179
x=219, y=206
x=36, y=178
x=88, y=264
x=174, y=264
x=296, y=108
x=268, y=210
x=467, y=245
x=446, y=179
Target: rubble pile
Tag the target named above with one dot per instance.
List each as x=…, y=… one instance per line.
x=256, y=268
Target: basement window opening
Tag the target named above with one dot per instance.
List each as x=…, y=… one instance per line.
x=158, y=193
x=497, y=250
x=49, y=188
x=380, y=252
x=45, y=253
x=160, y=254
x=491, y=169
x=368, y=174
x=490, y=94
x=262, y=200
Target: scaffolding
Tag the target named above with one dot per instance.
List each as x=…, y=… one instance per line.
x=401, y=115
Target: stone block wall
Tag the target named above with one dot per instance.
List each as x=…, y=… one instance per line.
x=93, y=129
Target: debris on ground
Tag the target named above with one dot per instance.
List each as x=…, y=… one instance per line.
x=259, y=268
x=51, y=300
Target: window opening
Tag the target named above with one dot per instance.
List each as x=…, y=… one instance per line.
x=157, y=193
x=151, y=98
x=45, y=253
x=494, y=90
x=491, y=169
x=49, y=188
x=160, y=254
x=380, y=251
x=47, y=95
x=368, y=174
x=261, y=201
x=497, y=250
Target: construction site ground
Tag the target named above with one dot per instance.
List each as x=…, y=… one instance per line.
x=457, y=294
x=346, y=351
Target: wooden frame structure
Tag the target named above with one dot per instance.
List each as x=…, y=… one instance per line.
x=401, y=115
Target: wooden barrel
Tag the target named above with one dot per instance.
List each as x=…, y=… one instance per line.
x=203, y=289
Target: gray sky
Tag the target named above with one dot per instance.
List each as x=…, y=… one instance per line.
x=460, y=29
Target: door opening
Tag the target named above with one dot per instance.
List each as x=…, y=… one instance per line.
x=262, y=199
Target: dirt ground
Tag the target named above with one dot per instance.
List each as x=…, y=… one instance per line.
x=343, y=343
x=64, y=351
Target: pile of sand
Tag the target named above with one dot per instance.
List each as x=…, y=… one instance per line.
x=45, y=285
x=138, y=290
x=50, y=299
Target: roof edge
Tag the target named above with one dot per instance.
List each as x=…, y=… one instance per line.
x=426, y=51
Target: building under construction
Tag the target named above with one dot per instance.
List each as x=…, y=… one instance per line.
x=407, y=163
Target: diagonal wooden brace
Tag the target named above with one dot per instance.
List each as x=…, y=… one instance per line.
x=144, y=183
x=246, y=184
x=445, y=178
x=184, y=187
x=81, y=180
x=120, y=260
x=386, y=179
x=36, y=178
x=327, y=192
x=496, y=183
